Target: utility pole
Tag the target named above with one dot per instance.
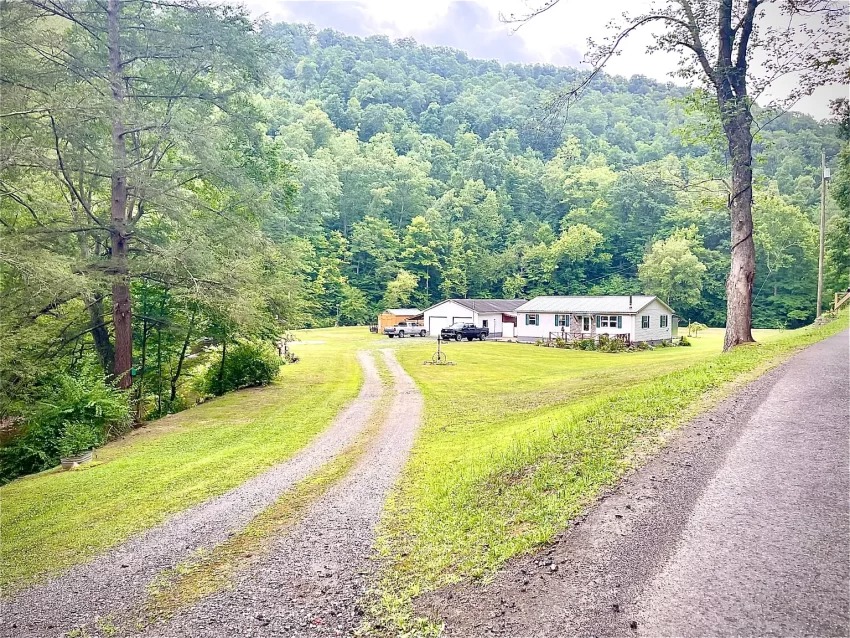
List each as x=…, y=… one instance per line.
x=823, y=181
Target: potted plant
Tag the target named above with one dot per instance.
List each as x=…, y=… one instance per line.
x=76, y=445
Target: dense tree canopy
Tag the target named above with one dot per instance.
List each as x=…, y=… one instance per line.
x=443, y=167
x=279, y=177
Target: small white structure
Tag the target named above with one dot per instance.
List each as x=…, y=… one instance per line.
x=634, y=317
x=499, y=315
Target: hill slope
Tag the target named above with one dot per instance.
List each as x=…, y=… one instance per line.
x=426, y=174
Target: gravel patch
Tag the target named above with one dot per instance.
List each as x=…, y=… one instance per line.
x=313, y=578
x=738, y=527
x=117, y=580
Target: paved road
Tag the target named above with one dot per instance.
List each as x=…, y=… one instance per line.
x=741, y=527
x=766, y=548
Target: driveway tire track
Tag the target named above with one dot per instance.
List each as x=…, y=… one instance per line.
x=314, y=576
x=114, y=582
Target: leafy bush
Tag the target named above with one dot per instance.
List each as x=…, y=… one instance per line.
x=74, y=414
x=585, y=344
x=78, y=438
x=683, y=341
x=643, y=345
x=560, y=342
x=611, y=344
x=247, y=364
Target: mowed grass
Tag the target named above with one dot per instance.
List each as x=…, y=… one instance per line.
x=56, y=519
x=518, y=440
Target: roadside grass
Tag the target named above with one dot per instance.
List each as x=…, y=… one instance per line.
x=56, y=519
x=519, y=440
x=214, y=570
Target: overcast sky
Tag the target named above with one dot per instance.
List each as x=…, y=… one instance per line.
x=558, y=37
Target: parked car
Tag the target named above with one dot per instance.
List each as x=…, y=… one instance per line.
x=406, y=329
x=468, y=331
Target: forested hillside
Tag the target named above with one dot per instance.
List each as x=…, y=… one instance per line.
x=424, y=174
x=179, y=187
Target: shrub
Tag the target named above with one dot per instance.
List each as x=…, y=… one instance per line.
x=247, y=364
x=78, y=438
x=643, y=345
x=74, y=414
x=609, y=344
x=586, y=344
x=683, y=341
x=560, y=342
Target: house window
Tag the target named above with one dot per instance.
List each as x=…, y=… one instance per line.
x=485, y=323
x=644, y=321
x=562, y=320
x=532, y=320
x=609, y=321
x=663, y=322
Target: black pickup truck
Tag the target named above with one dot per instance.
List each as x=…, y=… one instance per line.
x=468, y=331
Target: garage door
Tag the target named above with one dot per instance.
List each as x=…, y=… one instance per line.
x=461, y=319
x=435, y=324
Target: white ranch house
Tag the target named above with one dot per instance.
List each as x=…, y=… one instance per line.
x=635, y=317
x=499, y=315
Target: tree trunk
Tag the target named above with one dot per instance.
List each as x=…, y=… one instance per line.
x=182, y=358
x=118, y=233
x=100, y=335
x=221, y=367
x=742, y=272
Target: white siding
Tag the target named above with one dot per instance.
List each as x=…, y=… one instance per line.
x=654, y=333
x=445, y=314
x=547, y=325
x=628, y=328
x=449, y=312
x=493, y=319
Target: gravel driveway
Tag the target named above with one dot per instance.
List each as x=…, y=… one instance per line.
x=313, y=577
x=116, y=581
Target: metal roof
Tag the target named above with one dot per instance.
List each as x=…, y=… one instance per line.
x=486, y=305
x=403, y=312
x=615, y=304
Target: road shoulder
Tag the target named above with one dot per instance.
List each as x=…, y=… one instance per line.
x=588, y=580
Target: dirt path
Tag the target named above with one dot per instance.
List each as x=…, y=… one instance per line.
x=740, y=527
x=115, y=581
x=313, y=577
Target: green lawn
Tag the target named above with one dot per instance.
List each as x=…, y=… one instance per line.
x=518, y=439
x=55, y=519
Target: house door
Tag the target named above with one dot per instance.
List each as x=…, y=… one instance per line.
x=585, y=323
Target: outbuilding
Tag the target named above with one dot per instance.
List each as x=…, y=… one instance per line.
x=394, y=316
x=634, y=318
x=499, y=315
